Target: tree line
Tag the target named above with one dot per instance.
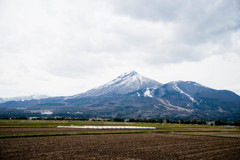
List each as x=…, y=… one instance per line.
x=140, y=120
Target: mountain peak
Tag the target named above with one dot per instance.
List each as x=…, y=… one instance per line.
x=129, y=81
x=125, y=83
x=128, y=74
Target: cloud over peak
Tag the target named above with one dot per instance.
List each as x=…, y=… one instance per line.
x=74, y=40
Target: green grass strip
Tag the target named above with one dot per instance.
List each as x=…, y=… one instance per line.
x=102, y=132
x=202, y=131
x=163, y=131
x=67, y=134
x=41, y=126
x=82, y=133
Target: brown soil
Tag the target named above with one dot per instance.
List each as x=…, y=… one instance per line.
x=120, y=146
x=219, y=134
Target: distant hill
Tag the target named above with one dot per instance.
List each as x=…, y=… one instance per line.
x=23, y=98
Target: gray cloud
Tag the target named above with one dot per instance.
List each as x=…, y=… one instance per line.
x=197, y=23
x=74, y=40
x=156, y=10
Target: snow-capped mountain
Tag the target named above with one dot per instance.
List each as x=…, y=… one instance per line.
x=133, y=96
x=195, y=92
x=125, y=83
x=23, y=98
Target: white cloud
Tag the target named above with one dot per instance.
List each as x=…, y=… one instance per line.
x=66, y=47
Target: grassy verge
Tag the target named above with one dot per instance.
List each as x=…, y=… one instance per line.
x=82, y=133
x=67, y=134
x=190, y=133
x=54, y=123
x=206, y=131
x=46, y=123
x=28, y=126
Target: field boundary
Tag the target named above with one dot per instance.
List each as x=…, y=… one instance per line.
x=114, y=132
x=81, y=133
x=69, y=134
x=206, y=135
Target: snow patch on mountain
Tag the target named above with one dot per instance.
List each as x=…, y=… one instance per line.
x=148, y=93
x=169, y=106
x=220, y=109
x=175, y=86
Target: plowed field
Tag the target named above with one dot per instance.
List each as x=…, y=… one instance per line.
x=121, y=146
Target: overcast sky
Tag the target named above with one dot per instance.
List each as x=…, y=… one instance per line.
x=66, y=47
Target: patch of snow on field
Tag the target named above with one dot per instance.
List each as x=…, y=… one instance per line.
x=106, y=127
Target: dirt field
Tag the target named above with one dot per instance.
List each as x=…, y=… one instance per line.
x=120, y=146
x=218, y=134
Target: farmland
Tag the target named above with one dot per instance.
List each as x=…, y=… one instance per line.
x=42, y=140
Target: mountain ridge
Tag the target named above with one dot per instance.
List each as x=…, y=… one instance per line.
x=124, y=83
x=23, y=98
x=131, y=95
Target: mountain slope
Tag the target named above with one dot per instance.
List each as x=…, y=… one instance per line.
x=133, y=96
x=192, y=94
x=125, y=83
